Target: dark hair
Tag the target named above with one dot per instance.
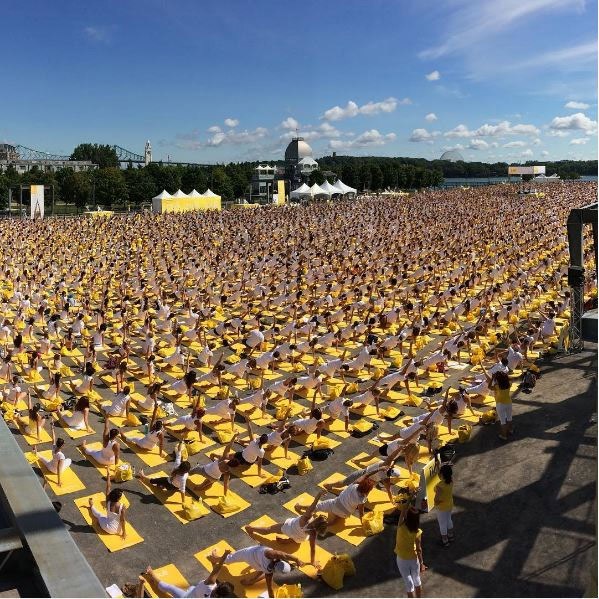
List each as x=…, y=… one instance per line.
x=182, y=468
x=89, y=369
x=263, y=439
x=365, y=486
x=223, y=589
x=190, y=378
x=412, y=520
x=59, y=442
x=446, y=473
x=502, y=379
x=114, y=496
x=452, y=407
x=316, y=413
x=113, y=433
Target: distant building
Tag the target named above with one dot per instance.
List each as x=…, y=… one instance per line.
x=263, y=183
x=452, y=156
x=9, y=156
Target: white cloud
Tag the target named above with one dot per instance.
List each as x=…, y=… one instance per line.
x=97, y=34
x=499, y=130
x=478, y=21
x=214, y=129
x=558, y=133
x=575, y=122
x=527, y=153
x=370, y=108
x=571, y=58
x=536, y=142
x=433, y=76
x=544, y=153
x=459, y=131
x=231, y=122
x=450, y=148
x=515, y=144
x=579, y=141
x=220, y=138
x=369, y=138
x=478, y=144
x=430, y=117
x=423, y=135
x=323, y=131
x=576, y=105
x=290, y=124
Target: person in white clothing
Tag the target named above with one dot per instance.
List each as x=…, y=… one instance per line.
x=208, y=587
x=58, y=463
x=306, y=527
x=113, y=521
x=264, y=561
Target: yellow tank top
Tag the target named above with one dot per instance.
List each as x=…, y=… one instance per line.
x=405, y=542
x=445, y=494
x=502, y=395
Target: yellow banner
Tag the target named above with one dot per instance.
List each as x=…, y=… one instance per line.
x=281, y=191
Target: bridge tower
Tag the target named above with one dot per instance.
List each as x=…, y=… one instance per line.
x=148, y=153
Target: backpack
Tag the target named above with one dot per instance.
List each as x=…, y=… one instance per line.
x=529, y=380
x=447, y=453
x=319, y=455
x=274, y=488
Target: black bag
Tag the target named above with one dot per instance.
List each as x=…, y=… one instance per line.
x=319, y=455
x=447, y=453
x=274, y=488
x=69, y=404
x=359, y=434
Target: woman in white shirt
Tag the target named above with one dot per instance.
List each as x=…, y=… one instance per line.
x=113, y=521
x=58, y=463
x=176, y=481
x=79, y=419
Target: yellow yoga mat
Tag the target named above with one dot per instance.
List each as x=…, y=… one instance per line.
x=214, y=493
x=300, y=550
x=249, y=474
x=361, y=465
x=112, y=542
x=150, y=458
x=337, y=427
x=367, y=411
x=349, y=530
x=277, y=457
x=256, y=417
x=70, y=482
x=169, y=573
x=71, y=432
x=31, y=439
x=308, y=440
x=192, y=436
x=100, y=467
x=333, y=478
x=232, y=573
x=171, y=500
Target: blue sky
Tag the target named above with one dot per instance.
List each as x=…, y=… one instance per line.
x=232, y=80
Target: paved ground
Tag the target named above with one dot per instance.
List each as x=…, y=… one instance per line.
x=525, y=511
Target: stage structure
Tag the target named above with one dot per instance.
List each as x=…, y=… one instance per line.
x=576, y=276
x=525, y=171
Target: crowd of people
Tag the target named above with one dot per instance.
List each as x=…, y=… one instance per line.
x=282, y=324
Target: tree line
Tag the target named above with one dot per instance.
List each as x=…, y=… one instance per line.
x=109, y=185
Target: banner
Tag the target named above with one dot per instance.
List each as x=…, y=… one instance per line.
x=429, y=477
x=37, y=201
x=281, y=191
x=526, y=170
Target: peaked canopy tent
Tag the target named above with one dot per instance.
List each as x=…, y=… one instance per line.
x=303, y=191
x=182, y=202
x=316, y=190
x=329, y=189
x=345, y=189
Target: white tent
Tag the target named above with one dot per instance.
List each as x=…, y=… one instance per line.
x=302, y=191
x=316, y=190
x=343, y=188
x=180, y=194
x=210, y=194
x=328, y=188
x=162, y=195
x=157, y=201
x=194, y=194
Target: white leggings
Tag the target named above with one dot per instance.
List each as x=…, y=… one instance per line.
x=171, y=589
x=410, y=572
x=445, y=522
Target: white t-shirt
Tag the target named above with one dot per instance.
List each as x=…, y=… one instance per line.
x=252, y=452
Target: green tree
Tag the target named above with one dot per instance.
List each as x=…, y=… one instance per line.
x=140, y=186
x=349, y=174
x=316, y=177
x=376, y=177
x=102, y=155
x=194, y=177
x=221, y=184
x=109, y=187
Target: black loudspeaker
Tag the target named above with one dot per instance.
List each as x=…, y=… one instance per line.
x=575, y=276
